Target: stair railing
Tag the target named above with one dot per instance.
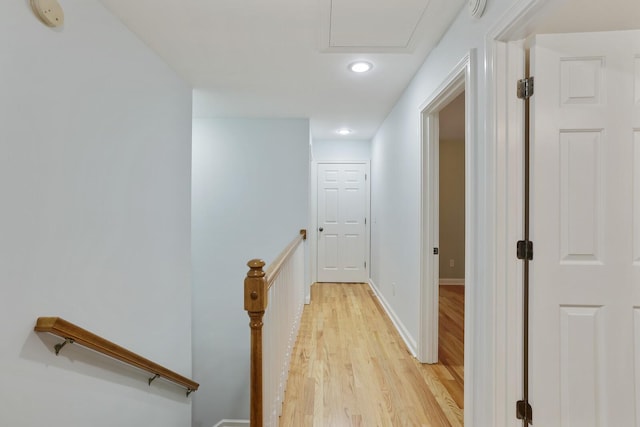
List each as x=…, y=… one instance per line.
x=274, y=300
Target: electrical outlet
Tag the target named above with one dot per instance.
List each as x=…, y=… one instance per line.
x=451, y=263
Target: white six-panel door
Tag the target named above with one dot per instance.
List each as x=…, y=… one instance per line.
x=585, y=283
x=342, y=212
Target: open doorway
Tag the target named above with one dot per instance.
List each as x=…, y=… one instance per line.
x=451, y=231
x=451, y=105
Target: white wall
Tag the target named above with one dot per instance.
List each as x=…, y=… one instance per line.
x=451, y=212
x=395, y=192
x=250, y=199
x=95, y=220
x=337, y=150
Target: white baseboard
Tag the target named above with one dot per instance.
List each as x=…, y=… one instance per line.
x=459, y=282
x=232, y=423
x=402, y=330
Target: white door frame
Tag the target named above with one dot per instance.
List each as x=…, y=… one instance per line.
x=504, y=126
x=312, y=235
x=461, y=78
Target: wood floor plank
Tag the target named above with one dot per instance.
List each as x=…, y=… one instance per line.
x=351, y=368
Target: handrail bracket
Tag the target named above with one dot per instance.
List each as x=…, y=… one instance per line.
x=156, y=376
x=59, y=346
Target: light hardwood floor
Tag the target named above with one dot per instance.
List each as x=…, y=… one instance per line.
x=351, y=368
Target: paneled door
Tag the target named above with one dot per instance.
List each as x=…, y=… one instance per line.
x=342, y=222
x=585, y=282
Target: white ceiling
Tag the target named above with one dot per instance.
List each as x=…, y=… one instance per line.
x=289, y=58
x=573, y=16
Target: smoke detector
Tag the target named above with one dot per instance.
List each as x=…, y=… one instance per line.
x=49, y=11
x=476, y=7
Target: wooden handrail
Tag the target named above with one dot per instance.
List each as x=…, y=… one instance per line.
x=75, y=334
x=256, y=291
x=276, y=265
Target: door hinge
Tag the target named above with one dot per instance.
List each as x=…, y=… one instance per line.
x=525, y=249
x=524, y=411
x=435, y=251
x=365, y=221
x=365, y=176
x=365, y=265
x=525, y=88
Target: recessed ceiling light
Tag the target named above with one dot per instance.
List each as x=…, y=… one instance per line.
x=360, y=66
x=344, y=131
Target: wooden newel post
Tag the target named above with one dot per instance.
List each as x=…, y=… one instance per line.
x=255, y=302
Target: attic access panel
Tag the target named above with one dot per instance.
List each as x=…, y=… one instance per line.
x=374, y=23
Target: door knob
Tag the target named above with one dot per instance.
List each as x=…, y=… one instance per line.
x=321, y=229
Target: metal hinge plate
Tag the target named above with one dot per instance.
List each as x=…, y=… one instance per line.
x=525, y=249
x=524, y=411
x=525, y=88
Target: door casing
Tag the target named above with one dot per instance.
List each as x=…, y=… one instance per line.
x=460, y=79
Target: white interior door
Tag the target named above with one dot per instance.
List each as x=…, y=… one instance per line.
x=342, y=223
x=585, y=282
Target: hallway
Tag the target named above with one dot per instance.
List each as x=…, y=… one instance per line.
x=351, y=368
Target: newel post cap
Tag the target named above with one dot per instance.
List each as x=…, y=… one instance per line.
x=255, y=268
x=255, y=287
